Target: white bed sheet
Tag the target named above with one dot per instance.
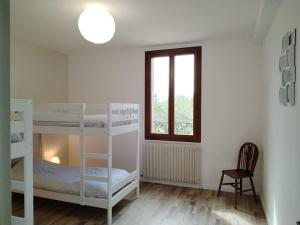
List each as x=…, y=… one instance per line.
x=58, y=178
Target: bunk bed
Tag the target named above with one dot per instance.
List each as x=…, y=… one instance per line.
x=97, y=187
x=21, y=150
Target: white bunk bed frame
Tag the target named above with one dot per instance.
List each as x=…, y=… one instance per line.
x=23, y=149
x=121, y=119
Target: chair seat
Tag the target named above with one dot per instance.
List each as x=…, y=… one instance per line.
x=238, y=174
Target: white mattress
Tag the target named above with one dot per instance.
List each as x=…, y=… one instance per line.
x=99, y=121
x=54, y=177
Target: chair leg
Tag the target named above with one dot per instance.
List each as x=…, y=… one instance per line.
x=235, y=194
x=253, y=189
x=220, y=185
x=241, y=187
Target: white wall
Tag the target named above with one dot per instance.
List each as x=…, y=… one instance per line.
x=116, y=76
x=231, y=107
x=281, y=151
x=230, y=96
x=41, y=75
x=38, y=73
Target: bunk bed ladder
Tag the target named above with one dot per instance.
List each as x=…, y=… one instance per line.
x=109, y=151
x=82, y=155
x=25, y=186
x=28, y=165
x=100, y=156
x=138, y=153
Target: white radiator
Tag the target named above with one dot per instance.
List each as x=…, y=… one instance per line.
x=172, y=163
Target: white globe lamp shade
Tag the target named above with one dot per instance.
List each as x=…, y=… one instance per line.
x=96, y=25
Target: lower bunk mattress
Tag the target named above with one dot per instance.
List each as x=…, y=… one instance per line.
x=64, y=179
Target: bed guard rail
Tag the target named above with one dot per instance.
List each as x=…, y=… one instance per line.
x=123, y=118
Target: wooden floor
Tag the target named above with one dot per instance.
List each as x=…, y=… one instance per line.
x=157, y=205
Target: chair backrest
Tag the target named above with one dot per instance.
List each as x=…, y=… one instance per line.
x=248, y=156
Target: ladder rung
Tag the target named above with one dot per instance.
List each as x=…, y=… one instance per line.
x=95, y=155
x=18, y=150
x=18, y=220
x=96, y=178
x=17, y=126
x=17, y=185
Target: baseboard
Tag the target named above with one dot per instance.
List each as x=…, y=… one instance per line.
x=225, y=188
x=171, y=183
x=207, y=187
x=215, y=188
x=264, y=209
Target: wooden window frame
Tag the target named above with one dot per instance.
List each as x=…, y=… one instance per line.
x=171, y=136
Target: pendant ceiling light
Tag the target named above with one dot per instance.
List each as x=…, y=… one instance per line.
x=96, y=25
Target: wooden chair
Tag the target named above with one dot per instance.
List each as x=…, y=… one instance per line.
x=248, y=156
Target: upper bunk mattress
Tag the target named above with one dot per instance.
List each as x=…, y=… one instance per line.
x=58, y=178
x=99, y=121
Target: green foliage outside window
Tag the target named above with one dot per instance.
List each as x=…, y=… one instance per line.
x=183, y=115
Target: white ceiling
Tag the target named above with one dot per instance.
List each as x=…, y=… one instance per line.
x=139, y=23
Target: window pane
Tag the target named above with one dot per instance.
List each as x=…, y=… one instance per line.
x=160, y=94
x=184, y=94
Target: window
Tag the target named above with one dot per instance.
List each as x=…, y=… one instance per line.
x=173, y=94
